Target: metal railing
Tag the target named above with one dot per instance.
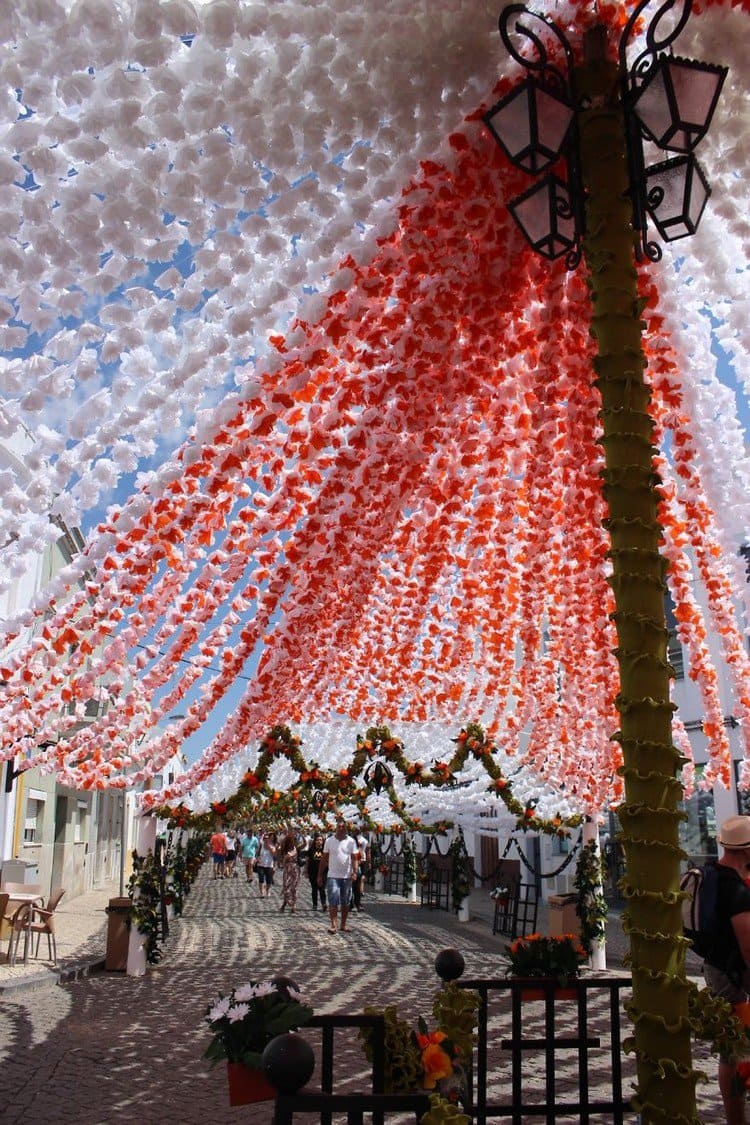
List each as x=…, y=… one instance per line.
x=545, y=1041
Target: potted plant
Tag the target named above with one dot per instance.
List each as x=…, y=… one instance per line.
x=501, y=896
x=243, y=1023
x=540, y=957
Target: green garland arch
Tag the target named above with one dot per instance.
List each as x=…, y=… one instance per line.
x=257, y=799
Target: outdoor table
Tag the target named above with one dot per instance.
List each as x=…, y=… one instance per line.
x=19, y=899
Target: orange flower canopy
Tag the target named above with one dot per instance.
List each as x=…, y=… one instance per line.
x=287, y=229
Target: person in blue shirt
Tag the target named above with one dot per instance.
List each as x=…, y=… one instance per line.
x=249, y=851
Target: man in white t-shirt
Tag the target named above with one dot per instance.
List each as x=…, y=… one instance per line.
x=338, y=866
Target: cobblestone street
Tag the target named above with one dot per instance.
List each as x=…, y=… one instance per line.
x=115, y=1048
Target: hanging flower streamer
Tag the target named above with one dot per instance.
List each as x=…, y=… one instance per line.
x=280, y=230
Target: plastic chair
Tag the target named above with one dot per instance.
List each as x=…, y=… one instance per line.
x=20, y=921
x=46, y=924
x=4, y=915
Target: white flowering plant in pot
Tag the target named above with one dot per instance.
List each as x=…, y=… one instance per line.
x=245, y=1021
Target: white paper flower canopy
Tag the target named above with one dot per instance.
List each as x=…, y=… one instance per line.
x=283, y=227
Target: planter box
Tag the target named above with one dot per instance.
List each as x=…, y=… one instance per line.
x=562, y=915
x=557, y=993
x=248, y=1084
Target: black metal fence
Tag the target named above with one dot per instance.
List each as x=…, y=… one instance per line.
x=556, y=1034
x=435, y=891
x=540, y=1055
x=393, y=881
x=516, y=913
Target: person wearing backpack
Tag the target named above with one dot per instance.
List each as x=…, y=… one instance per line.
x=727, y=963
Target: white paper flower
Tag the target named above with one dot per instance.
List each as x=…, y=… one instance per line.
x=238, y=1012
x=247, y=992
x=219, y=1010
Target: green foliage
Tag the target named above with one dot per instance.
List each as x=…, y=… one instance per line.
x=443, y=1112
x=455, y=1013
x=177, y=874
x=403, y=1060
x=454, y=1010
x=410, y=865
x=378, y=734
x=591, y=906
x=474, y=731
x=713, y=1019
x=461, y=872
x=244, y=1022
x=145, y=891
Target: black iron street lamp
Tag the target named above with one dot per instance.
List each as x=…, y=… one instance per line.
x=601, y=210
x=668, y=104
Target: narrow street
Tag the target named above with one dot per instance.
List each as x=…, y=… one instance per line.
x=115, y=1048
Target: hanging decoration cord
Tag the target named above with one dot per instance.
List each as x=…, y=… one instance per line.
x=548, y=874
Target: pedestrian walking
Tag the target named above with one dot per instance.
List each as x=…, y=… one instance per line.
x=363, y=858
x=266, y=862
x=218, y=845
x=338, y=867
x=314, y=856
x=231, y=860
x=727, y=967
x=287, y=859
x=249, y=851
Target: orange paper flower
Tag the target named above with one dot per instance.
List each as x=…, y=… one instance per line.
x=436, y=1063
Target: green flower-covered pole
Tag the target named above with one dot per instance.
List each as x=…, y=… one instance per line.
x=650, y=814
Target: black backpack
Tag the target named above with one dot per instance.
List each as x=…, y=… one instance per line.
x=699, y=906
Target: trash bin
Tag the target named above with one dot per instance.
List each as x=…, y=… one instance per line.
x=20, y=871
x=118, y=934
x=563, y=918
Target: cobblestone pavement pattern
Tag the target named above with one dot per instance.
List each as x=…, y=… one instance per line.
x=111, y=1048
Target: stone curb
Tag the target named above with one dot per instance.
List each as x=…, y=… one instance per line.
x=81, y=971
x=49, y=978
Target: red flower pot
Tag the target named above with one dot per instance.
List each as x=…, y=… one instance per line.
x=248, y=1084
x=557, y=993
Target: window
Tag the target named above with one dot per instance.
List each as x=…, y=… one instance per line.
x=674, y=648
x=698, y=833
x=79, y=822
x=34, y=820
x=743, y=795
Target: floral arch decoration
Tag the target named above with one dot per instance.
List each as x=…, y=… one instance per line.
x=257, y=799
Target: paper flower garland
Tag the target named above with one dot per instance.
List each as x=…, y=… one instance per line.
x=391, y=505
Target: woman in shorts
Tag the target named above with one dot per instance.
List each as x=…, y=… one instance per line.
x=265, y=865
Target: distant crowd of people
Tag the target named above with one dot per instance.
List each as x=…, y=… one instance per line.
x=336, y=866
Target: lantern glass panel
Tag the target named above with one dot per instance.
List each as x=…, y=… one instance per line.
x=509, y=122
x=530, y=125
x=545, y=217
x=676, y=193
x=677, y=102
x=554, y=117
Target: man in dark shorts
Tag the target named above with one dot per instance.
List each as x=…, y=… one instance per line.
x=726, y=970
